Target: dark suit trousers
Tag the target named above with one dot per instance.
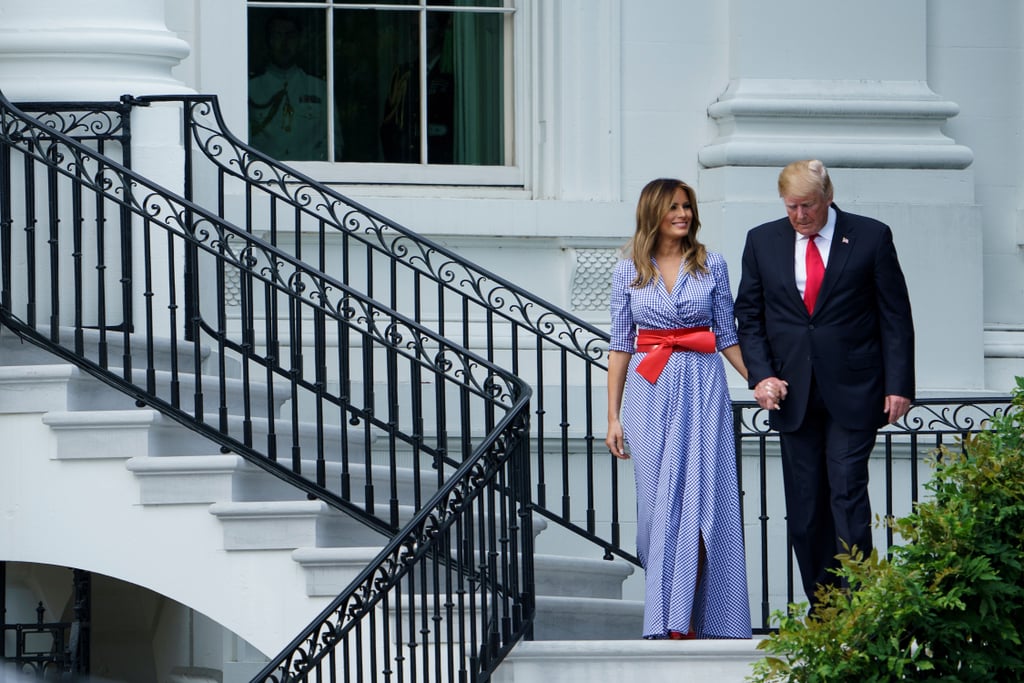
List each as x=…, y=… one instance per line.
x=825, y=470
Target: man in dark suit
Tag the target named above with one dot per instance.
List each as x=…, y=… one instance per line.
x=827, y=337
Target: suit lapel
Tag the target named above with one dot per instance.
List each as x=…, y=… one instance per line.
x=786, y=244
x=838, y=253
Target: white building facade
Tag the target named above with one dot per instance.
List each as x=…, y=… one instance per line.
x=917, y=107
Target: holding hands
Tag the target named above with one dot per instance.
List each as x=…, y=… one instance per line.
x=770, y=392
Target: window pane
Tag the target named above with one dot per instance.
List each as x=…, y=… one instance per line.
x=478, y=71
x=467, y=3
x=464, y=89
x=440, y=89
x=378, y=80
x=288, y=105
x=376, y=85
x=401, y=130
x=391, y=99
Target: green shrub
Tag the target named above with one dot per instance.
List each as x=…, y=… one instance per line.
x=949, y=604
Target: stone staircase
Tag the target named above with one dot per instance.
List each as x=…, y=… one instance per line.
x=141, y=498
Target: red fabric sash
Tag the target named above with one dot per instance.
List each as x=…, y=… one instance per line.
x=659, y=345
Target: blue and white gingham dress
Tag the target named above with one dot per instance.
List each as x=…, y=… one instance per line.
x=679, y=433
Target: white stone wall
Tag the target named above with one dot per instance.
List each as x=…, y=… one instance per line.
x=616, y=93
x=975, y=58
x=611, y=94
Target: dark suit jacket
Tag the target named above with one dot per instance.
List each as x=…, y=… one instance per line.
x=859, y=343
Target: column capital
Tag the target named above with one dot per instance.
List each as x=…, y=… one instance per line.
x=851, y=123
x=70, y=50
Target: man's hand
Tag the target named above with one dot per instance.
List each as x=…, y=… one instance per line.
x=770, y=392
x=896, y=407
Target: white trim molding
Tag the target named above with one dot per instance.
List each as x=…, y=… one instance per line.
x=849, y=123
x=1004, y=356
x=1004, y=341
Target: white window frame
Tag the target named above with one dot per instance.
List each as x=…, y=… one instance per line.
x=517, y=108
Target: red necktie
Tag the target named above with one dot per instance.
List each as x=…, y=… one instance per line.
x=815, y=273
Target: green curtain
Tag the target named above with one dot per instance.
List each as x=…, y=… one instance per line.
x=479, y=87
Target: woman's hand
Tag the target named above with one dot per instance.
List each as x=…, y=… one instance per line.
x=615, y=442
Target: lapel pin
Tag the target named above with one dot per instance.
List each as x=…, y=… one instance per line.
x=846, y=240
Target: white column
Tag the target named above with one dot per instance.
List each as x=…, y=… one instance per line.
x=842, y=81
x=577, y=136
x=847, y=83
x=98, y=50
x=70, y=50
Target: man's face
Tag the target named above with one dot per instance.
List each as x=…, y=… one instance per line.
x=283, y=40
x=807, y=214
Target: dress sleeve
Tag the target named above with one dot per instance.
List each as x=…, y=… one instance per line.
x=623, y=329
x=724, y=321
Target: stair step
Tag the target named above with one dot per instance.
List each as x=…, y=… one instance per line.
x=557, y=618
x=15, y=351
x=84, y=434
x=577, y=598
x=581, y=576
x=575, y=618
x=59, y=386
x=101, y=434
x=329, y=571
x=42, y=388
x=153, y=434
x=582, y=661
x=212, y=478
x=288, y=525
x=172, y=480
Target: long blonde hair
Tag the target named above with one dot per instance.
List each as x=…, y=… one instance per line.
x=654, y=203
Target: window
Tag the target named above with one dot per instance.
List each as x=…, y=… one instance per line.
x=392, y=82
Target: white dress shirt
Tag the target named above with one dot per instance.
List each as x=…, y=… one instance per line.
x=824, y=244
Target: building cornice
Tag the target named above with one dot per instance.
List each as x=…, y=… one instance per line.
x=846, y=123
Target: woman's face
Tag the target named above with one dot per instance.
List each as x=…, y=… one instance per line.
x=675, y=224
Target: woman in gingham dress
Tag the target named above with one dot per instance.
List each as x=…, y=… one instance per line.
x=671, y=310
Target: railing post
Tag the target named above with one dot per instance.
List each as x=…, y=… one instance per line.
x=6, y=220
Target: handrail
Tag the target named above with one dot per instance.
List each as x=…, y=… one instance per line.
x=407, y=397
x=899, y=468
x=559, y=354
x=546, y=347
x=562, y=356
x=479, y=489
x=265, y=174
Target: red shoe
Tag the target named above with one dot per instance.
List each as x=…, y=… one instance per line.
x=679, y=635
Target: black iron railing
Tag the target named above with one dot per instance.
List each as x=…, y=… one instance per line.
x=562, y=357
x=41, y=649
x=148, y=315
x=49, y=650
x=900, y=465
x=577, y=485
x=447, y=598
